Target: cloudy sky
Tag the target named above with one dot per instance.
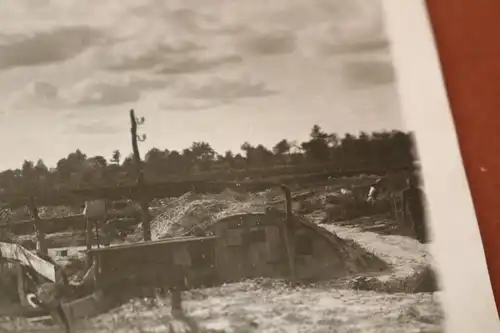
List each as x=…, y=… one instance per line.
x=222, y=71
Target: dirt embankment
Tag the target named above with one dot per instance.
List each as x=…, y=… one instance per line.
x=193, y=210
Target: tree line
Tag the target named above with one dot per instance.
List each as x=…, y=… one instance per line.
x=383, y=149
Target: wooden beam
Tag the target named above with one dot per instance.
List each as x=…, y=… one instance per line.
x=17, y=253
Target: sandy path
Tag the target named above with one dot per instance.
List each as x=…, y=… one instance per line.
x=273, y=308
x=404, y=254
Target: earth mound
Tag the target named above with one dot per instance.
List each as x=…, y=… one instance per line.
x=190, y=211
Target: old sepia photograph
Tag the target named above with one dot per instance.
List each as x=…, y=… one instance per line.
x=209, y=166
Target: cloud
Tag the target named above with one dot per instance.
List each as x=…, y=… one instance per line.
x=365, y=74
x=189, y=20
x=189, y=105
x=96, y=127
x=226, y=89
x=111, y=91
x=47, y=47
x=162, y=41
x=276, y=43
x=209, y=92
x=150, y=58
x=355, y=47
x=90, y=92
x=193, y=64
x=40, y=94
x=157, y=51
x=174, y=38
x=183, y=19
x=169, y=38
x=352, y=27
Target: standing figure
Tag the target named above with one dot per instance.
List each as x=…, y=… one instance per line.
x=414, y=209
x=374, y=191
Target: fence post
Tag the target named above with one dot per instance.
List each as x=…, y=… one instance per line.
x=41, y=242
x=289, y=233
x=176, y=300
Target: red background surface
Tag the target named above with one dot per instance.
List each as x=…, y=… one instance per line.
x=467, y=34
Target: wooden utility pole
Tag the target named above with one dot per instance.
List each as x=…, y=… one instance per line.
x=289, y=233
x=143, y=195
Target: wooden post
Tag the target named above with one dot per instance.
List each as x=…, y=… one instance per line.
x=94, y=211
x=289, y=233
x=21, y=284
x=89, y=239
x=143, y=199
x=41, y=242
x=97, y=238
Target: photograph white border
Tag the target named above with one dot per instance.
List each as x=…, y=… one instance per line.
x=467, y=295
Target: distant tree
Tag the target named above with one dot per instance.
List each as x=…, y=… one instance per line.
x=188, y=160
x=10, y=180
x=63, y=170
x=246, y=148
x=317, y=148
x=128, y=168
x=77, y=158
x=28, y=168
x=70, y=169
x=296, y=148
x=43, y=175
x=41, y=168
x=97, y=162
x=228, y=159
x=94, y=171
x=282, y=147
x=155, y=163
x=229, y=156
x=348, y=150
x=381, y=148
x=202, y=154
x=332, y=140
x=402, y=147
x=239, y=162
x=375, y=149
x=153, y=155
x=115, y=157
x=29, y=176
x=34, y=177
x=362, y=148
x=282, y=151
x=260, y=157
x=317, y=133
x=177, y=163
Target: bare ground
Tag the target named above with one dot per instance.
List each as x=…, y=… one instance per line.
x=266, y=305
